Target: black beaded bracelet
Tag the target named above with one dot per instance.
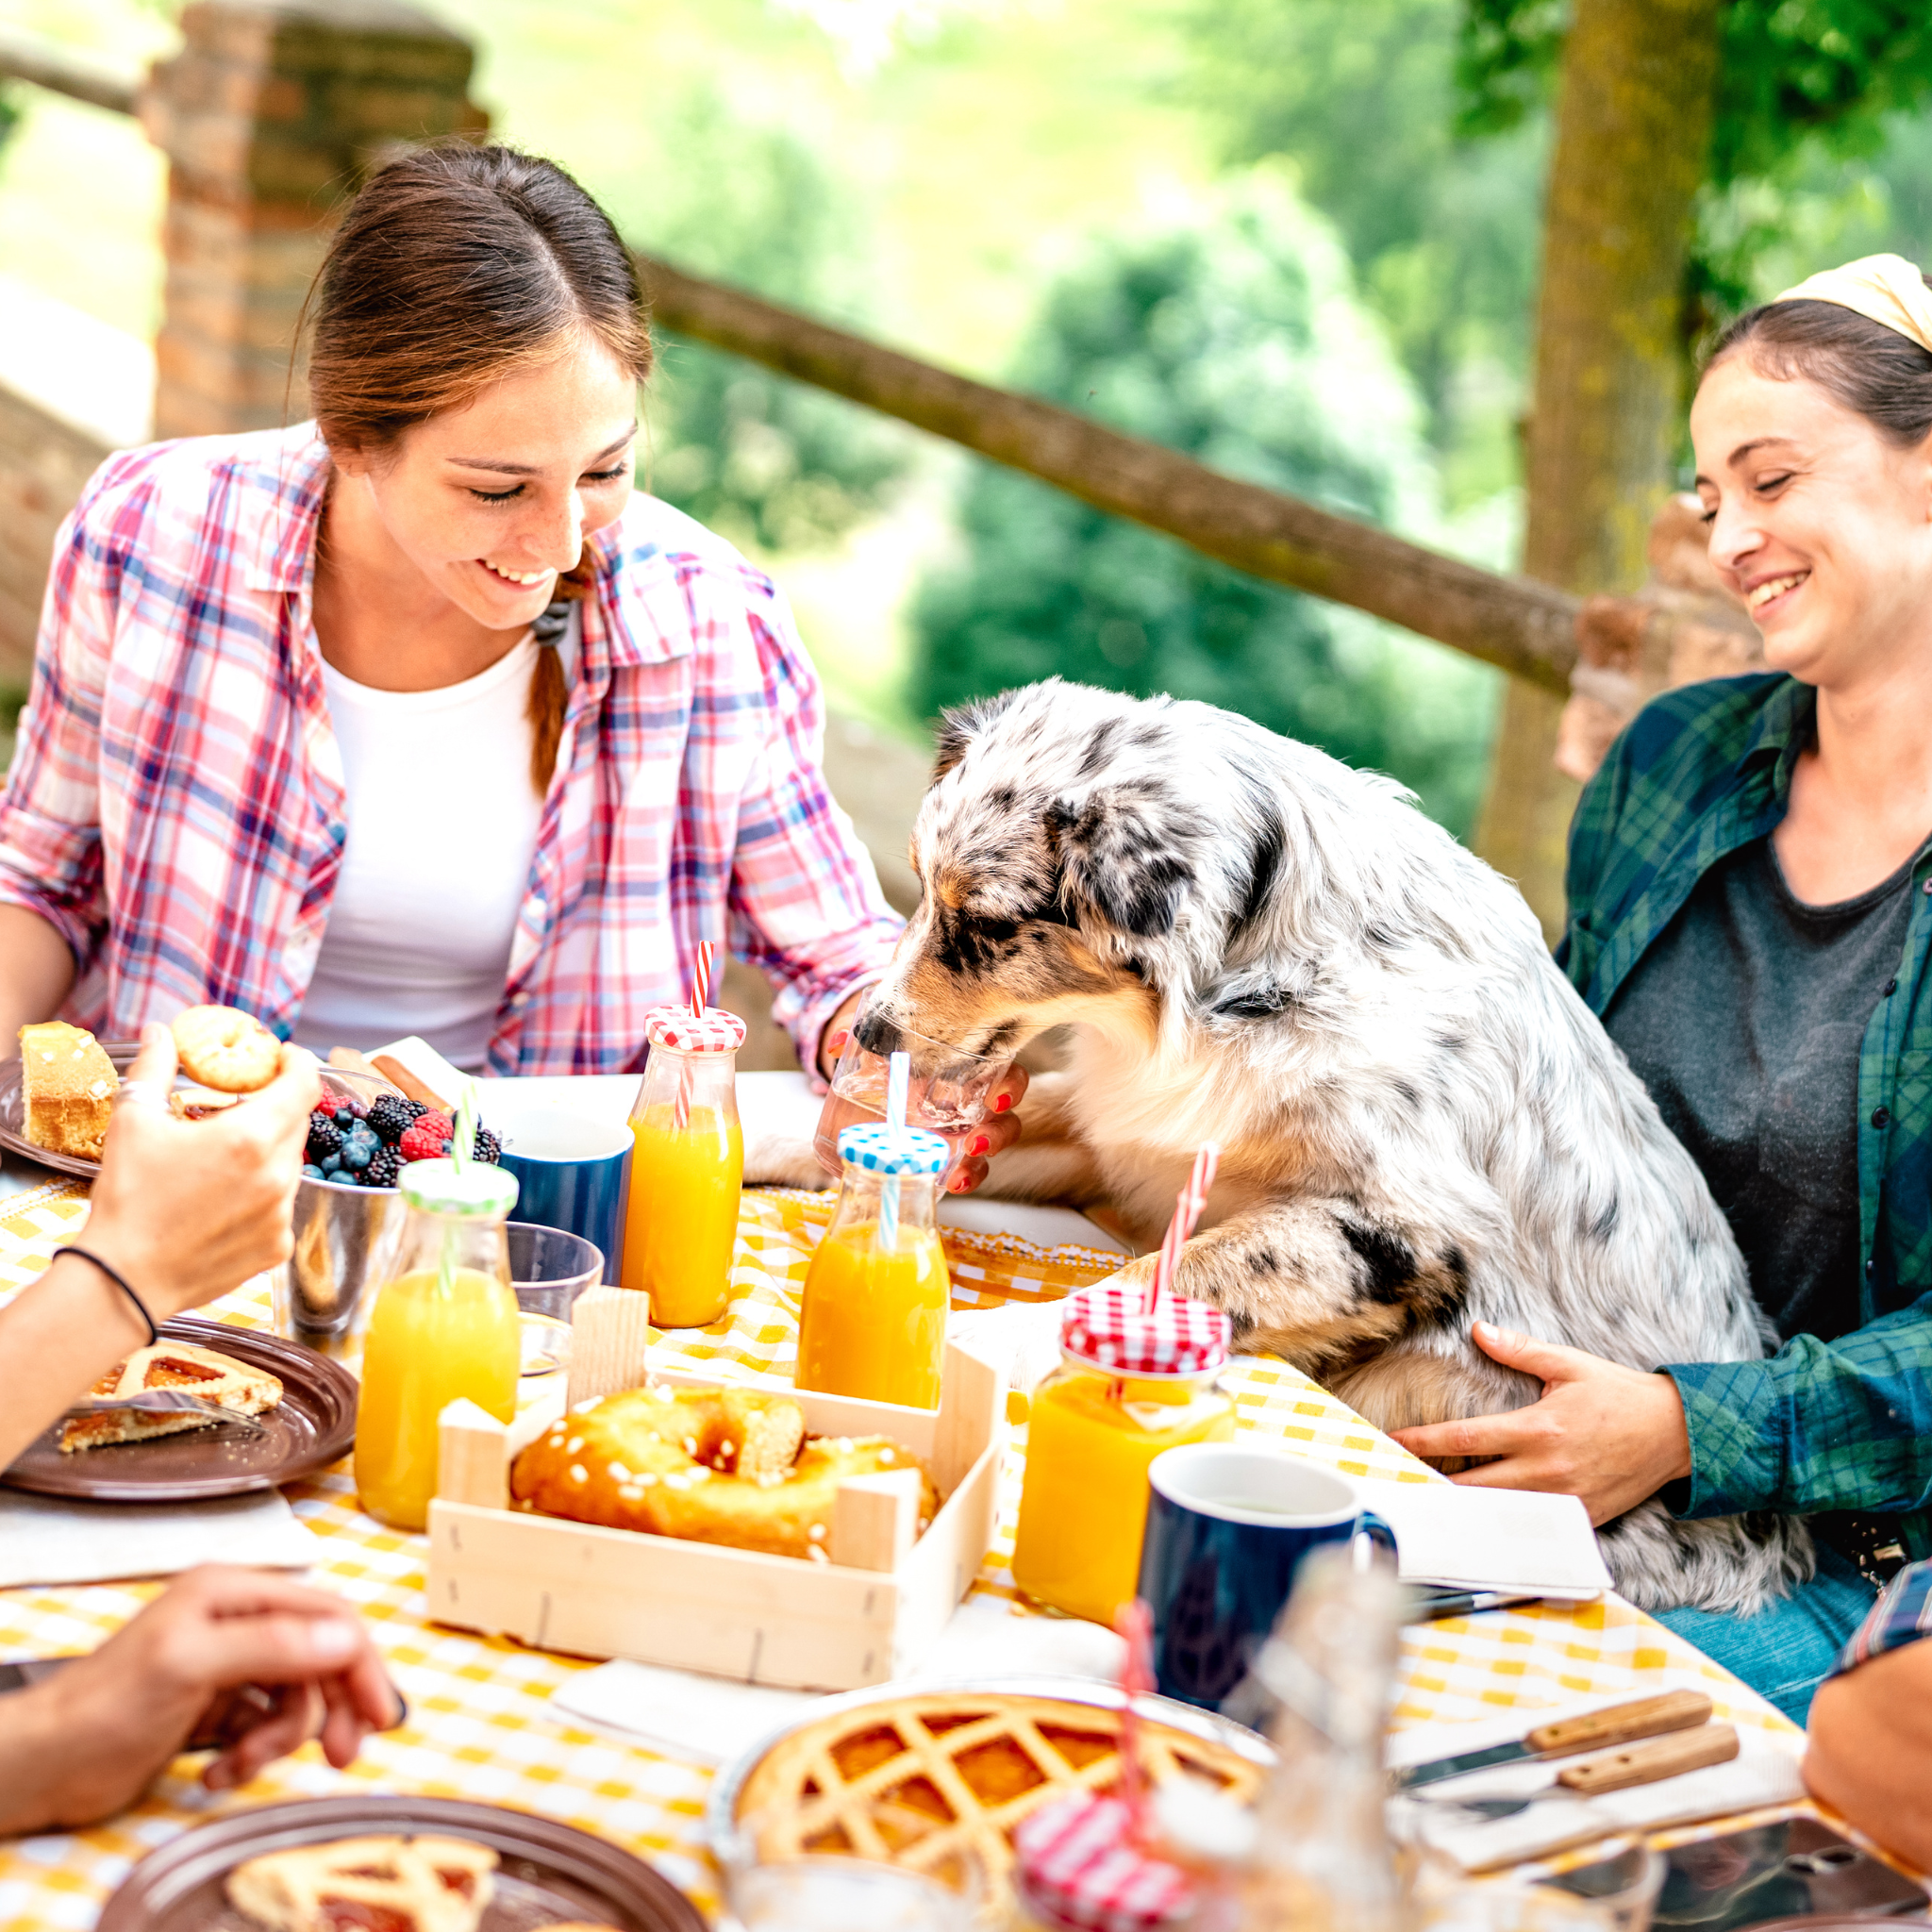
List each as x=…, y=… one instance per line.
x=119, y=1281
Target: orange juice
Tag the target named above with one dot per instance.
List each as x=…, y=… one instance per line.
x=1083, y=1508
x=682, y=1219
x=875, y=1324
x=428, y=1345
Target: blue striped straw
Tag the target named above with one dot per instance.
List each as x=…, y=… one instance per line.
x=898, y=1080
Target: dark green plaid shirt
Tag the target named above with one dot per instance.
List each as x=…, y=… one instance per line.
x=1844, y=1425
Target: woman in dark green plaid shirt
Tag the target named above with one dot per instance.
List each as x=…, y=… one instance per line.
x=1750, y=911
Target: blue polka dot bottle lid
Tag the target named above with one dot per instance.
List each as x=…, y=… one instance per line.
x=872, y=1146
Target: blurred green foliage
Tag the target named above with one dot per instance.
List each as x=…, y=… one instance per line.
x=1804, y=86
x=765, y=461
x=1361, y=97
x=1226, y=326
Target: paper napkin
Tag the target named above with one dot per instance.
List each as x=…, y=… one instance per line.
x=1468, y=1538
x=710, y=1720
x=1765, y=1772
x=48, y=1539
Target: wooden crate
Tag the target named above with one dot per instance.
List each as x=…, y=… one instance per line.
x=863, y=1618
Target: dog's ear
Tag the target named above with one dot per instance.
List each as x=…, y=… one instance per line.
x=1125, y=853
x=960, y=726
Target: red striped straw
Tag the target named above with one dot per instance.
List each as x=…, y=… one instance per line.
x=700, y=999
x=1187, y=1211
x=701, y=981
x=1136, y=1624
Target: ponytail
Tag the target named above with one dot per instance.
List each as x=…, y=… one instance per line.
x=549, y=689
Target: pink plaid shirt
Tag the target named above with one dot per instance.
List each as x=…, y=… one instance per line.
x=176, y=805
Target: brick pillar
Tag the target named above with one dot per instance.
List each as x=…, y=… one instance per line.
x=269, y=115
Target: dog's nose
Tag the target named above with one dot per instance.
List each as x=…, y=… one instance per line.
x=877, y=1034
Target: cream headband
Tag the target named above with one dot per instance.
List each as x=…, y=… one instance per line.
x=1885, y=287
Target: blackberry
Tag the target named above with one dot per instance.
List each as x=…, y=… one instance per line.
x=392, y=1116
x=488, y=1148
x=325, y=1137
x=384, y=1166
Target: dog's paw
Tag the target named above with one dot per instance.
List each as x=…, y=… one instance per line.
x=782, y=1160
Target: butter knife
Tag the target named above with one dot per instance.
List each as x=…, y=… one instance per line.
x=1622, y=1724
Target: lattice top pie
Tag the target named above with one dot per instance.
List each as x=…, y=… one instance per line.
x=205, y=1372
x=373, y=1884
x=912, y=1780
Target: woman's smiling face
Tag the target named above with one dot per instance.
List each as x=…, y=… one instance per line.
x=491, y=501
x=1821, y=525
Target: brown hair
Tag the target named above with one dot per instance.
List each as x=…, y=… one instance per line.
x=455, y=266
x=1872, y=370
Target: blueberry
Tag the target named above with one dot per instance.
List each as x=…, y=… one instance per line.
x=310, y=1172
x=332, y=1165
x=357, y=1153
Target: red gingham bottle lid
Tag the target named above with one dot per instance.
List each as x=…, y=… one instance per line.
x=711, y=1031
x=1078, y=1862
x=1105, y=1325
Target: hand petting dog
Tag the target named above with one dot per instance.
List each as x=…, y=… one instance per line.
x=1603, y=1432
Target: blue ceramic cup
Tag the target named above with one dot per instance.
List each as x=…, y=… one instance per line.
x=571, y=1174
x=1227, y=1526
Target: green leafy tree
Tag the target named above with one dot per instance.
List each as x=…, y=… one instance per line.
x=1800, y=83
x=763, y=460
x=1360, y=97
x=1229, y=328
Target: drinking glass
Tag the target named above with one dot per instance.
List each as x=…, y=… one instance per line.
x=549, y=1268
x=948, y=1093
x=819, y=1891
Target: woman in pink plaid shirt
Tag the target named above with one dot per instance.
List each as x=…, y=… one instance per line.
x=418, y=718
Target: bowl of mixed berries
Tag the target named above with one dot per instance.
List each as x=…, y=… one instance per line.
x=365, y=1139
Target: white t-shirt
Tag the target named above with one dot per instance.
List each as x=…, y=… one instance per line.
x=443, y=827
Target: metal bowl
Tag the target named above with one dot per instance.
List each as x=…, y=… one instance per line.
x=344, y=1235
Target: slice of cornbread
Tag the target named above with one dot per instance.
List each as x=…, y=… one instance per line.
x=67, y=1089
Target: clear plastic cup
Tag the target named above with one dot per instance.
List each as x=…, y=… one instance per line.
x=549, y=1268
x=816, y=1892
x=949, y=1093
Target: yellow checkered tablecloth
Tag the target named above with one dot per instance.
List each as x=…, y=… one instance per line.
x=481, y=1725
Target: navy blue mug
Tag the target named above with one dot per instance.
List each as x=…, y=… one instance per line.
x=571, y=1174
x=1227, y=1528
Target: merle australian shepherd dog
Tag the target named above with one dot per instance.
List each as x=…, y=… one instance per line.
x=1420, y=1123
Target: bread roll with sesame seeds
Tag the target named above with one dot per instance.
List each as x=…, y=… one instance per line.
x=730, y=1466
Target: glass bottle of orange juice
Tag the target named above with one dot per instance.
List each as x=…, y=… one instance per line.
x=1132, y=1381
x=444, y=1327
x=874, y=1324
x=687, y=1166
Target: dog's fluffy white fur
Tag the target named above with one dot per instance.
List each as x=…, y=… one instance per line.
x=1421, y=1124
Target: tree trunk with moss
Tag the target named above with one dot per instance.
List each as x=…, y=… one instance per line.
x=1633, y=134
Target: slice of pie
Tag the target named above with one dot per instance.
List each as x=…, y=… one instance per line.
x=371, y=1884
x=204, y=1372
x=67, y=1088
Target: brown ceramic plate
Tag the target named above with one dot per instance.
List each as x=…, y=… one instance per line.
x=312, y=1425
x=549, y=1873
x=13, y=1112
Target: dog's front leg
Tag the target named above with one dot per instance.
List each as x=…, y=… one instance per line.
x=1318, y=1282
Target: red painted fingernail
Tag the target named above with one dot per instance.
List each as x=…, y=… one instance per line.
x=836, y=1041
x=980, y=1144
x=1000, y=1102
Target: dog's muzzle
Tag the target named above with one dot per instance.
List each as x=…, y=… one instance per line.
x=877, y=1034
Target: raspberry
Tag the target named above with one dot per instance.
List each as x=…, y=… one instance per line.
x=488, y=1148
x=325, y=1137
x=392, y=1116
x=382, y=1170
x=329, y=1104
x=427, y=1139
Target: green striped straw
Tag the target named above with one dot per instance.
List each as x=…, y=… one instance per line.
x=462, y=1149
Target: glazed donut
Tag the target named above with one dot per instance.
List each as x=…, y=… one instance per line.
x=714, y=1465
x=225, y=1049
